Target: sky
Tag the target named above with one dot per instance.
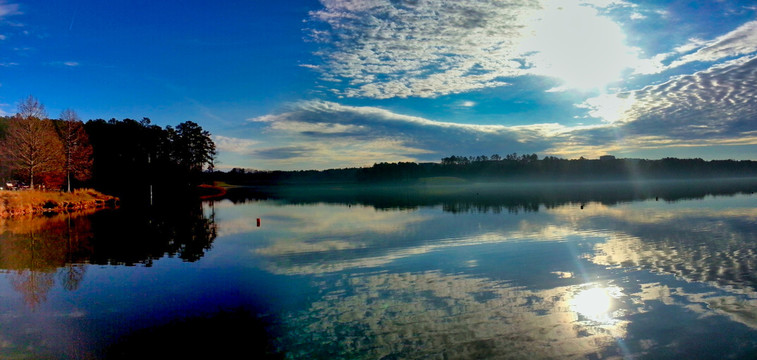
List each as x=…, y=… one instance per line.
x=307, y=84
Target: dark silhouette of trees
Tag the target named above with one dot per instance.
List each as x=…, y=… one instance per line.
x=123, y=158
x=133, y=159
x=35, y=251
x=513, y=167
x=3, y=125
x=192, y=147
x=180, y=228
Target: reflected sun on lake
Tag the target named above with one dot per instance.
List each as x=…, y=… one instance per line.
x=596, y=304
x=411, y=276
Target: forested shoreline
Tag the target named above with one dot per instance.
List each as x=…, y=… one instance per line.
x=140, y=160
x=513, y=167
x=126, y=158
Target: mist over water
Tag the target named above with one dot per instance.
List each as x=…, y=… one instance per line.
x=602, y=270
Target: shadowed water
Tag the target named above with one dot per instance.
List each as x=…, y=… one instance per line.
x=500, y=272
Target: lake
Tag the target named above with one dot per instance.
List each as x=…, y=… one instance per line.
x=606, y=270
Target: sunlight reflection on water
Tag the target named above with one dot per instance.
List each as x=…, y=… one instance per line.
x=597, y=303
x=608, y=280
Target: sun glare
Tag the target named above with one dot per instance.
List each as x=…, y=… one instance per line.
x=611, y=108
x=575, y=44
x=595, y=304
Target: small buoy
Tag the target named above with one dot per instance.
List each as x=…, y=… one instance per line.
x=258, y=222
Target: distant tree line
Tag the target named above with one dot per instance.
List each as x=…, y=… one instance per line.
x=511, y=167
x=124, y=158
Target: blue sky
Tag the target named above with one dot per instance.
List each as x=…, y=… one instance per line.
x=342, y=83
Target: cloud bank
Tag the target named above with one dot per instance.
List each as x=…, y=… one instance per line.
x=710, y=107
x=714, y=106
x=328, y=133
x=741, y=41
x=384, y=49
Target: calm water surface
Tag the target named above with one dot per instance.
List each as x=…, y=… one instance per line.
x=392, y=274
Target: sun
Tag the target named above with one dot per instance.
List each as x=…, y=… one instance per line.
x=595, y=304
x=610, y=108
x=578, y=46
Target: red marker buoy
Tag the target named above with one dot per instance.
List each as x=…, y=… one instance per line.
x=258, y=222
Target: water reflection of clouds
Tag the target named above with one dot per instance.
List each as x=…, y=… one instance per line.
x=696, y=243
x=715, y=252
x=321, y=220
x=635, y=213
x=295, y=232
x=431, y=314
x=716, y=246
x=738, y=308
x=387, y=293
x=378, y=258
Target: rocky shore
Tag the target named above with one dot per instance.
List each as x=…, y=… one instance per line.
x=28, y=202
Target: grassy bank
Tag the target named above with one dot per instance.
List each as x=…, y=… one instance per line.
x=13, y=203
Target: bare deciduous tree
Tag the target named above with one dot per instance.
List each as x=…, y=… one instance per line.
x=31, y=147
x=77, y=150
x=31, y=108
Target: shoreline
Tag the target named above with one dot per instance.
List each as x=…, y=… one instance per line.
x=211, y=192
x=33, y=202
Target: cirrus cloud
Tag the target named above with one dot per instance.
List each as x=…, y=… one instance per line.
x=741, y=41
x=8, y=9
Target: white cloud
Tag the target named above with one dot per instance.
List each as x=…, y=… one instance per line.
x=576, y=45
x=384, y=49
x=714, y=106
x=320, y=134
x=233, y=144
x=310, y=66
x=741, y=41
x=8, y=9
x=5, y=11
x=610, y=108
x=711, y=107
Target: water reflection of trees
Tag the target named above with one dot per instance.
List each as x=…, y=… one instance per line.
x=495, y=198
x=143, y=235
x=35, y=251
